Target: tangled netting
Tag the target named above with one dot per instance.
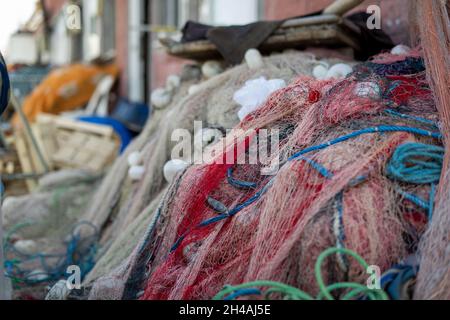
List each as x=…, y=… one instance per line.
x=79, y=251
x=432, y=23
x=212, y=104
x=123, y=209
x=227, y=223
x=356, y=290
x=47, y=221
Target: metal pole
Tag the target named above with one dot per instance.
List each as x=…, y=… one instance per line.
x=135, y=72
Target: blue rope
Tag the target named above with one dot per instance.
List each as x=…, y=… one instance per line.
x=242, y=293
x=339, y=232
x=409, y=117
x=230, y=214
x=431, y=201
x=417, y=163
x=379, y=129
x=239, y=184
x=318, y=167
x=357, y=181
x=414, y=199
x=398, y=278
x=79, y=251
x=394, y=85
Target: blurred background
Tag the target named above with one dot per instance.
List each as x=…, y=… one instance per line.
x=108, y=63
x=36, y=33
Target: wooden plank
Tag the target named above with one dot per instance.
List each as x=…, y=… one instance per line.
x=37, y=164
x=97, y=163
x=78, y=139
x=81, y=158
x=333, y=35
x=24, y=159
x=64, y=156
x=35, y=128
x=62, y=138
x=69, y=124
x=93, y=153
x=10, y=167
x=93, y=144
x=48, y=135
x=79, y=145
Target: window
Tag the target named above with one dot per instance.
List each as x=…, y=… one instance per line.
x=175, y=13
x=165, y=13
x=98, y=27
x=60, y=42
x=229, y=12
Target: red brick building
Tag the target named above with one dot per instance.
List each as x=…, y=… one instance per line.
x=144, y=65
x=395, y=23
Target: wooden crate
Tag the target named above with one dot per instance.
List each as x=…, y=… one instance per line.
x=10, y=165
x=72, y=144
x=27, y=157
x=66, y=144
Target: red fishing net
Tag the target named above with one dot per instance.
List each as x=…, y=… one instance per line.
x=229, y=224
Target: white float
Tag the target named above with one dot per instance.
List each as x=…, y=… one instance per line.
x=135, y=159
x=173, y=167
x=136, y=173
x=400, y=49
x=320, y=72
x=161, y=98
x=211, y=68
x=339, y=71
x=254, y=59
x=173, y=82
x=27, y=247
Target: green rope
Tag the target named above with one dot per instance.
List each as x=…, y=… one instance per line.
x=14, y=230
x=356, y=290
x=286, y=290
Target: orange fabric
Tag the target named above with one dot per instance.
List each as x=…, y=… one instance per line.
x=64, y=89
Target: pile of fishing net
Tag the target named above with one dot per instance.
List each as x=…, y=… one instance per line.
x=121, y=208
x=212, y=104
x=432, y=26
x=356, y=167
x=41, y=239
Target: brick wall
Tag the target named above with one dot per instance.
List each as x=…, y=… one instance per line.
x=164, y=65
x=394, y=15
x=122, y=44
x=394, y=21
